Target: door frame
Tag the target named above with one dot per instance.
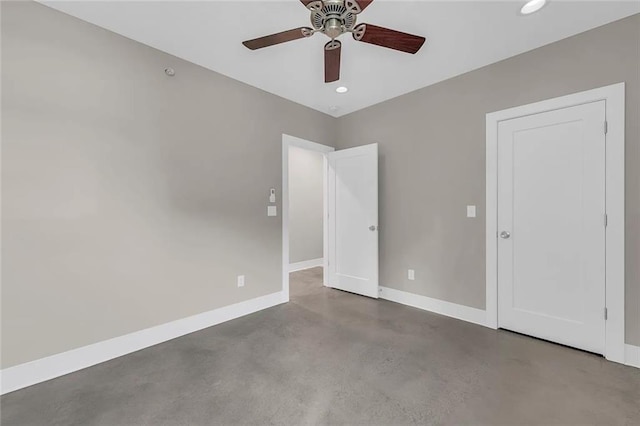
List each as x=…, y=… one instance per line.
x=289, y=141
x=614, y=97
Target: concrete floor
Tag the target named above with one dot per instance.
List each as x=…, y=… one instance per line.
x=330, y=357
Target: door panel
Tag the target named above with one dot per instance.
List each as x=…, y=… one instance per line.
x=353, y=209
x=551, y=200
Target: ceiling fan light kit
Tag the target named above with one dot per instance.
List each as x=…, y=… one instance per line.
x=334, y=18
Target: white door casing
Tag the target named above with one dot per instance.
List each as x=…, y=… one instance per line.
x=614, y=97
x=352, y=201
x=551, y=210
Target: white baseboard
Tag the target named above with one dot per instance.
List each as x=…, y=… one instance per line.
x=453, y=310
x=306, y=264
x=40, y=370
x=632, y=355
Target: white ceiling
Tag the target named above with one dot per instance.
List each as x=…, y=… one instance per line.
x=461, y=36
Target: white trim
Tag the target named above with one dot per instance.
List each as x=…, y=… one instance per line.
x=453, y=310
x=614, y=96
x=288, y=141
x=491, y=234
x=325, y=221
x=306, y=264
x=632, y=356
x=40, y=370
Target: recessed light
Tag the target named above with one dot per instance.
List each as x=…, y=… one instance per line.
x=532, y=6
x=342, y=89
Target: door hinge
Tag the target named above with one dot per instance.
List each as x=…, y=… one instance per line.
x=606, y=127
x=606, y=314
x=606, y=220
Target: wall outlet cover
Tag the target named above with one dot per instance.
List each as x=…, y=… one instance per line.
x=411, y=274
x=240, y=280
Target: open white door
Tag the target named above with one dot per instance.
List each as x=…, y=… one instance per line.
x=352, y=206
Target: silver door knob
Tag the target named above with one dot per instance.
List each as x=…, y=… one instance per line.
x=504, y=235
x=372, y=228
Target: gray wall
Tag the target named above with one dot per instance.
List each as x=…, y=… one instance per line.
x=129, y=199
x=432, y=148
x=305, y=204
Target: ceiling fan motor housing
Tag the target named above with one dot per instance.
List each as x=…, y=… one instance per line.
x=333, y=17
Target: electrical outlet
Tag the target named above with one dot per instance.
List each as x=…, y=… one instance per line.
x=411, y=274
x=471, y=211
x=240, y=280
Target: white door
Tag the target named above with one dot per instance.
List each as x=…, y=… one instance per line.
x=352, y=205
x=551, y=226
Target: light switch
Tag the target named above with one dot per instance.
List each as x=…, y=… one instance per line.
x=411, y=274
x=272, y=211
x=471, y=211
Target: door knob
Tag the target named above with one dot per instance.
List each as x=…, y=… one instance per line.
x=372, y=228
x=504, y=235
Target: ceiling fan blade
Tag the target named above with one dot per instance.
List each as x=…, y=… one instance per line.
x=385, y=37
x=332, y=61
x=284, y=36
x=363, y=3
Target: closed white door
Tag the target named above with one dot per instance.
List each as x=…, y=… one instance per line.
x=551, y=226
x=352, y=204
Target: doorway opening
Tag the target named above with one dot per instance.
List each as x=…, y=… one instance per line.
x=304, y=209
x=349, y=214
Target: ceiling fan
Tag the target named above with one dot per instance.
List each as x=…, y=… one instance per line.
x=334, y=18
